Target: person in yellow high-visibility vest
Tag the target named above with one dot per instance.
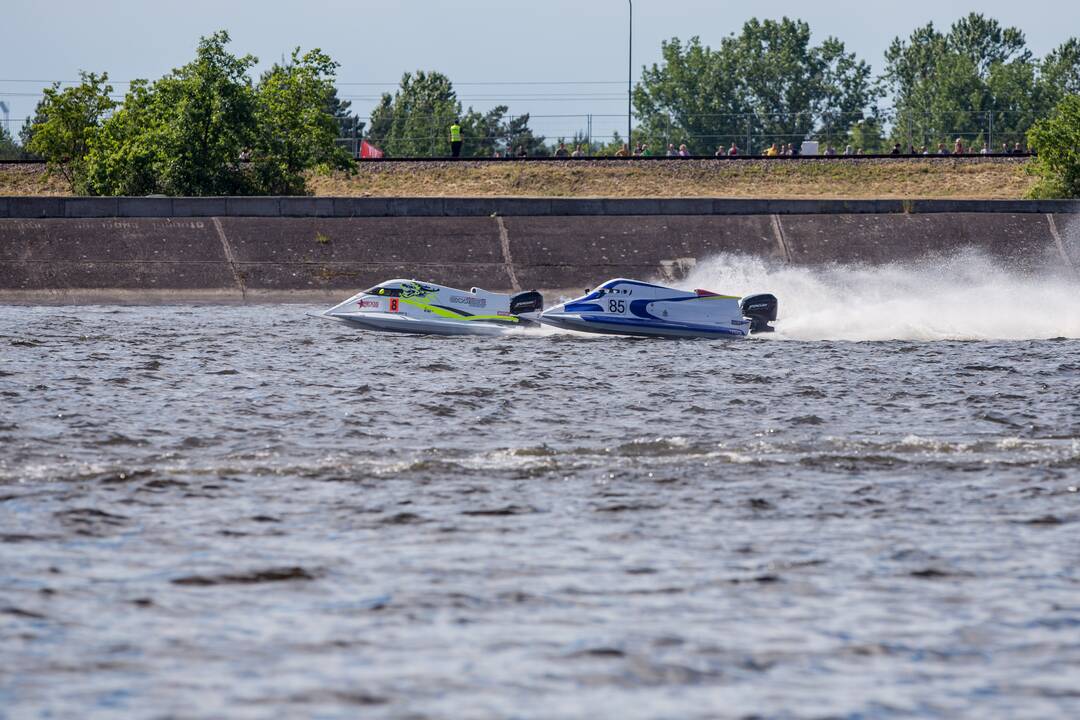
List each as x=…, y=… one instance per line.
x=455, y=139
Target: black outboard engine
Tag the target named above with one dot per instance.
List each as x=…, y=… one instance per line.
x=760, y=310
x=526, y=302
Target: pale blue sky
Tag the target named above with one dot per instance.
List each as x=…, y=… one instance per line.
x=472, y=41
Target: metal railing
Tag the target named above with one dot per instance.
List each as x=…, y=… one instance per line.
x=751, y=133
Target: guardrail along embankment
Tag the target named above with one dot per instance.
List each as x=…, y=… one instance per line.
x=75, y=250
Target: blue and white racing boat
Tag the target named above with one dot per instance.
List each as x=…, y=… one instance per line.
x=631, y=307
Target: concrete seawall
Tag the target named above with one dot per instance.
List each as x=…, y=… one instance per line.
x=74, y=250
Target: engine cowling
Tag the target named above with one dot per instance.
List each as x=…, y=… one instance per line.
x=526, y=302
x=760, y=310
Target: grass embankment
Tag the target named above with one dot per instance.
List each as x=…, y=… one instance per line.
x=984, y=178
x=979, y=178
x=22, y=179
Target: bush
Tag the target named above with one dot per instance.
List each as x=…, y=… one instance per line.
x=1056, y=143
x=65, y=124
x=203, y=129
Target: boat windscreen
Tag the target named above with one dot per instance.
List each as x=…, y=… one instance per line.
x=384, y=291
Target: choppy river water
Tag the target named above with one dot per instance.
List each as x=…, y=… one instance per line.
x=247, y=512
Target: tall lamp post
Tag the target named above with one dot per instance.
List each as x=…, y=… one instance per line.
x=629, y=74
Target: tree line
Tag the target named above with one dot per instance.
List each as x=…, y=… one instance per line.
x=770, y=80
x=204, y=129
x=208, y=128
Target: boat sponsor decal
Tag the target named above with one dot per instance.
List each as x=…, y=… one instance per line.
x=417, y=290
x=468, y=300
x=454, y=314
x=368, y=304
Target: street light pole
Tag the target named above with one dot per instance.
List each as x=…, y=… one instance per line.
x=629, y=74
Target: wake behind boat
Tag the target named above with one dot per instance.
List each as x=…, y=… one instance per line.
x=415, y=307
x=631, y=307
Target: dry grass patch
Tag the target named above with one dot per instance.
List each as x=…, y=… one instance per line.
x=982, y=178
x=30, y=179
x=978, y=178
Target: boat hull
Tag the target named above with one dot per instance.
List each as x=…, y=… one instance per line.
x=387, y=322
x=609, y=326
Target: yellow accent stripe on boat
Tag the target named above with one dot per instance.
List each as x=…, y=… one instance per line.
x=443, y=312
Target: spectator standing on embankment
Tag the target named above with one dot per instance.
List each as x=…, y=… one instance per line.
x=455, y=139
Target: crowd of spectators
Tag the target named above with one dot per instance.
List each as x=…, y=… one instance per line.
x=774, y=150
x=796, y=150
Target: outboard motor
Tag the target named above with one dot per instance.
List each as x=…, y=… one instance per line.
x=526, y=302
x=760, y=310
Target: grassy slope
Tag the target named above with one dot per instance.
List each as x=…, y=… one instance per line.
x=974, y=178
x=30, y=180
x=930, y=178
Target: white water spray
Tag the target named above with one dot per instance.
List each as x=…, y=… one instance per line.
x=966, y=296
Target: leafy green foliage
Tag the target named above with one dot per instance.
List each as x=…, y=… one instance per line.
x=206, y=129
x=182, y=135
x=349, y=125
x=415, y=122
x=296, y=127
x=1060, y=69
x=9, y=150
x=868, y=135
x=127, y=153
x=768, y=80
x=1056, y=140
x=977, y=77
x=520, y=136
x=66, y=122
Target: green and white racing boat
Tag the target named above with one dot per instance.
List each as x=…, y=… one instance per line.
x=420, y=307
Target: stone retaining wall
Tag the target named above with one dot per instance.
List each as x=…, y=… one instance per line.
x=75, y=250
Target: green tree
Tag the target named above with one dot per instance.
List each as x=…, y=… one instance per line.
x=207, y=121
x=1060, y=70
x=193, y=131
x=415, y=122
x=349, y=124
x=296, y=124
x=977, y=77
x=768, y=80
x=185, y=134
x=868, y=135
x=694, y=94
x=519, y=135
x=1056, y=142
x=128, y=153
x=485, y=132
x=8, y=148
x=65, y=124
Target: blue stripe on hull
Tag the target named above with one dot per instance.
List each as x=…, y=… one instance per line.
x=630, y=326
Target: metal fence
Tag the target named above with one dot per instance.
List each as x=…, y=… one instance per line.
x=751, y=133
